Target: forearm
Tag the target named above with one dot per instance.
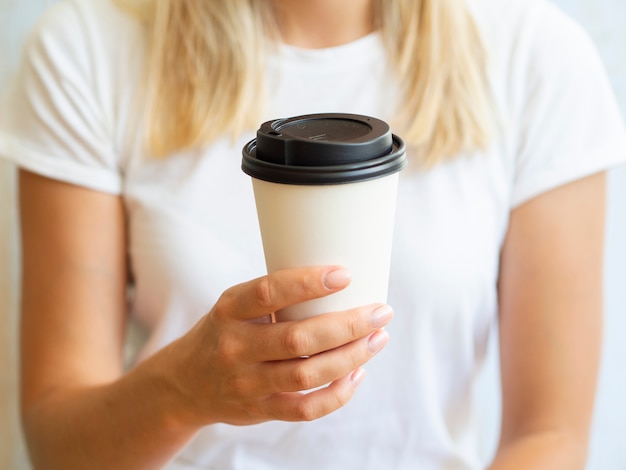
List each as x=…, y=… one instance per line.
x=550, y=326
x=539, y=451
x=128, y=424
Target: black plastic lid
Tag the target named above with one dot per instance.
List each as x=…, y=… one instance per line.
x=322, y=139
x=323, y=149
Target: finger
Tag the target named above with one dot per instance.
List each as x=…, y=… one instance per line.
x=315, y=371
x=281, y=289
x=296, y=406
x=287, y=340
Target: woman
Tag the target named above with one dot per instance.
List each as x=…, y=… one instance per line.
x=128, y=123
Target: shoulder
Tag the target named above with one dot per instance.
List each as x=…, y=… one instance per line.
x=86, y=55
x=559, y=117
x=519, y=17
x=82, y=33
x=538, y=55
x=73, y=16
x=72, y=96
x=532, y=34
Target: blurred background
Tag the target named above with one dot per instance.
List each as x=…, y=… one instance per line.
x=605, y=21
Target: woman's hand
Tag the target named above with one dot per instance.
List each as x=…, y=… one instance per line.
x=229, y=368
x=235, y=368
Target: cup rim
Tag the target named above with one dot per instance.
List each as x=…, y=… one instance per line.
x=377, y=167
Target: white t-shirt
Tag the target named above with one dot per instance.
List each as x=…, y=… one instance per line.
x=193, y=230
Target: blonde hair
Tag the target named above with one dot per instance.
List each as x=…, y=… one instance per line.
x=205, y=68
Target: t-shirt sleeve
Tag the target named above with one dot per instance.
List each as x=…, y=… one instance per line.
x=55, y=124
x=570, y=124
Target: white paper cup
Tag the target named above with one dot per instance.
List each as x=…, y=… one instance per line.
x=339, y=212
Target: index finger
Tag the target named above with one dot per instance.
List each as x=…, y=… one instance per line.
x=280, y=289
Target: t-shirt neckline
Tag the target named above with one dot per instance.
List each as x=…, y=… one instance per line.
x=365, y=46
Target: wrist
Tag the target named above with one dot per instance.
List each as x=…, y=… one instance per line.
x=158, y=379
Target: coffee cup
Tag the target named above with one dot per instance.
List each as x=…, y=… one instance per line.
x=325, y=187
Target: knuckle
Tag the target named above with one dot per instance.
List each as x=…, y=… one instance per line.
x=302, y=377
x=239, y=386
x=263, y=291
x=357, y=357
x=226, y=303
x=309, y=288
x=342, y=397
x=296, y=341
x=306, y=411
x=353, y=326
x=228, y=349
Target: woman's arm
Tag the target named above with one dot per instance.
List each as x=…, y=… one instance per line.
x=80, y=411
x=550, y=326
x=72, y=328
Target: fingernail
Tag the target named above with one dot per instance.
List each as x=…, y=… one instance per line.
x=337, y=278
x=357, y=377
x=381, y=316
x=378, y=340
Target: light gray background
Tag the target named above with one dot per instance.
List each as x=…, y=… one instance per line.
x=606, y=22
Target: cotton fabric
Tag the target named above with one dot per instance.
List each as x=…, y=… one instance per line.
x=193, y=230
